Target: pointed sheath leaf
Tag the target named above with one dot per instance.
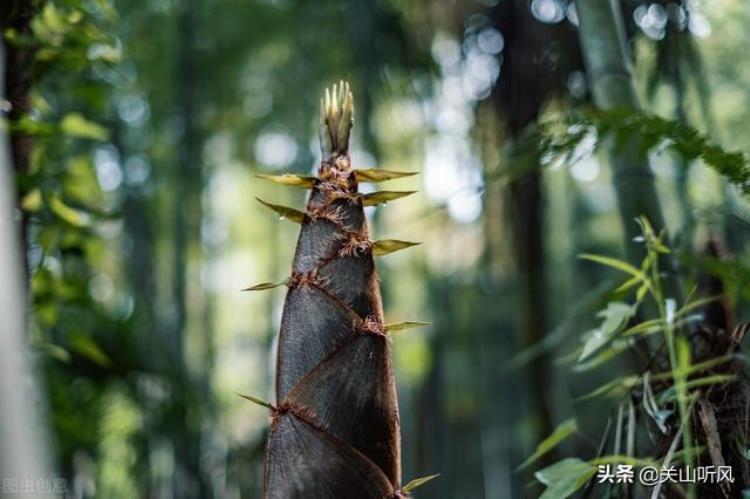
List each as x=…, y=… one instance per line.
x=264, y=286
x=386, y=246
x=290, y=214
x=402, y=326
x=376, y=175
x=290, y=179
x=418, y=482
x=257, y=401
x=382, y=197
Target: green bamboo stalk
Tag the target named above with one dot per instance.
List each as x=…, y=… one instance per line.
x=609, y=66
x=608, y=63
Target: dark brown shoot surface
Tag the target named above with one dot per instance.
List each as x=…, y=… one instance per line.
x=335, y=431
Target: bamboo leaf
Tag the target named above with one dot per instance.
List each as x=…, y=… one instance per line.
x=386, y=246
x=376, y=175
x=402, y=326
x=265, y=285
x=585, y=305
x=73, y=216
x=697, y=304
x=418, y=482
x=55, y=351
x=75, y=125
x=641, y=293
x=621, y=459
x=558, y=141
x=382, y=197
x=290, y=179
x=615, y=316
x=32, y=201
x=613, y=350
x=633, y=281
x=695, y=368
x=657, y=414
x=653, y=326
x=290, y=214
x=716, y=379
x=257, y=401
x=563, y=431
x=615, y=264
x=51, y=21
x=646, y=327
x=564, y=477
x=86, y=347
x=613, y=389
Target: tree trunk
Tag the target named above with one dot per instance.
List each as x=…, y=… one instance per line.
x=529, y=77
x=22, y=437
x=17, y=15
x=187, y=210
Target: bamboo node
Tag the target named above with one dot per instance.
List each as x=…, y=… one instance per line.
x=300, y=412
x=326, y=212
x=355, y=243
x=309, y=278
x=338, y=173
x=371, y=325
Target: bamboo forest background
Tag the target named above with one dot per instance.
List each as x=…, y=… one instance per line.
x=136, y=129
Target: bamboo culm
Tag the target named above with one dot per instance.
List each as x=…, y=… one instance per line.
x=609, y=68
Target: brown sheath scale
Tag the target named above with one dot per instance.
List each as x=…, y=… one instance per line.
x=335, y=431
